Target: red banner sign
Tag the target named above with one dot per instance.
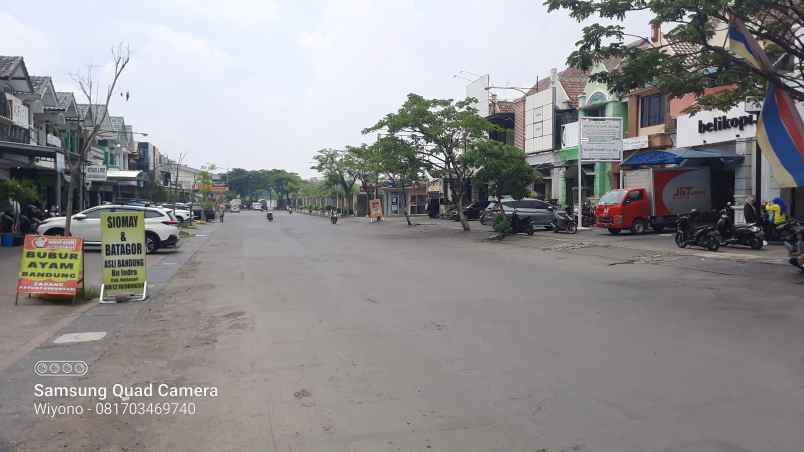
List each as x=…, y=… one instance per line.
x=51, y=265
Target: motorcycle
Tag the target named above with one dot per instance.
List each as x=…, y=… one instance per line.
x=787, y=231
x=270, y=216
x=792, y=249
x=587, y=215
x=690, y=234
x=564, y=222
x=747, y=235
x=521, y=225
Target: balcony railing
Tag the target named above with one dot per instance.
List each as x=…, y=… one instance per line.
x=15, y=134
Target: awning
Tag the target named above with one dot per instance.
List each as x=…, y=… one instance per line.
x=681, y=156
x=123, y=175
x=30, y=150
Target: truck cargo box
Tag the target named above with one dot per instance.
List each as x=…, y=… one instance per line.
x=673, y=191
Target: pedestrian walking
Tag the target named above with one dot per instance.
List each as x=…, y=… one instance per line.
x=222, y=211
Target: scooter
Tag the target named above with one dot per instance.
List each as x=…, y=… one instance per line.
x=587, y=215
x=564, y=222
x=792, y=250
x=747, y=235
x=521, y=225
x=786, y=231
x=688, y=233
x=270, y=216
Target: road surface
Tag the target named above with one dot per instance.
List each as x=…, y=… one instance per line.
x=381, y=337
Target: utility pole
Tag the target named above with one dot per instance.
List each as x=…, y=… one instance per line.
x=176, y=184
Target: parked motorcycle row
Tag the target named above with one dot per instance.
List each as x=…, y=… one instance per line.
x=709, y=231
x=30, y=217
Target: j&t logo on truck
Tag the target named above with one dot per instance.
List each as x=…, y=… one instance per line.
x=687, y=193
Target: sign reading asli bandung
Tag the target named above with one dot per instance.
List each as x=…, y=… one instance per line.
x=51, y=265
x=123, y=252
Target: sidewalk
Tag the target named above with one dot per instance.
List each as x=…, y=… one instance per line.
x=650, y=242
x=26, y=325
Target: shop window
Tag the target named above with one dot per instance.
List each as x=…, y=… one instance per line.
x=651, y=110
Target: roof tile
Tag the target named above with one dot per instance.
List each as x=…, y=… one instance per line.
x=8, y=64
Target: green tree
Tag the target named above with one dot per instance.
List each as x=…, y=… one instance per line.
x=397, y=162
x=441, y=131
x=340, y=169
x=692, y=57
x=241, y=181
x=361, y=158
x=19, y=192
x=204, y=181
x=503, y=168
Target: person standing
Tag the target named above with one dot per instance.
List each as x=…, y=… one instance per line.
x=750, y=210
x=222, y=211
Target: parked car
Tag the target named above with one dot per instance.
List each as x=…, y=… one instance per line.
x=539, y=212
x=256, y=206
x=471, y=212
x=160, y=226
x=182, y=214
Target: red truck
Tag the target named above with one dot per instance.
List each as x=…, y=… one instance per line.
x=654, y=197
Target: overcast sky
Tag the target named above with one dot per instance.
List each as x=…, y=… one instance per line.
x=266, y=83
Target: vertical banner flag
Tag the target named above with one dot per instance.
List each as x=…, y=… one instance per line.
x=123, y=251
x=780, y=131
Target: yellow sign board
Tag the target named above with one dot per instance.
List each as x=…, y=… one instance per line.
x=51, y=265
x=123, y=253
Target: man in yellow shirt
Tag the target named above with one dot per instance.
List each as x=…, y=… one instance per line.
x=777, y=211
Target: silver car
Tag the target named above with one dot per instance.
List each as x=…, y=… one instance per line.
x=540, y=212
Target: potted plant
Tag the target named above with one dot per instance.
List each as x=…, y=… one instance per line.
x=17, y=193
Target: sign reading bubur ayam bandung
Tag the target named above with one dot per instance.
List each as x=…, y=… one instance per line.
x=51, y=265
x=123, y=251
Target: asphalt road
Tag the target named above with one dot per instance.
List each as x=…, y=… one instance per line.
x=380, y=337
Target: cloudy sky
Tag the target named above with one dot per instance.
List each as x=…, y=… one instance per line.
x=266, y=83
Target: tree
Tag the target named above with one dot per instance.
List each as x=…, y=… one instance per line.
x=204, y=182
x=339, y=168
x=365, y=165
x=503, y=169
x=19, y=192
x=692, y=57
x=241, y=181
x=120, y=57
x=397, y=161
x=441, y=131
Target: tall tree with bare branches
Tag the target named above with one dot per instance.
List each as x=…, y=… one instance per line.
x=121, y=56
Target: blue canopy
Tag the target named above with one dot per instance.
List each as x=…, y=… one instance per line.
x=680, y=156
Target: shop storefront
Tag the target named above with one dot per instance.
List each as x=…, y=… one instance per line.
x=733, y=133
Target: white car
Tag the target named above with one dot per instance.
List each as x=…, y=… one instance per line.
x=182, y=215
x=160, y=226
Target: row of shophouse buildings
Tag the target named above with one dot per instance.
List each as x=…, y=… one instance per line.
x=543, y=122
x=41, y=133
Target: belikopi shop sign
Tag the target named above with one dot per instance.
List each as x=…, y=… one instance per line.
x=51, y=265
x=123, y=255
